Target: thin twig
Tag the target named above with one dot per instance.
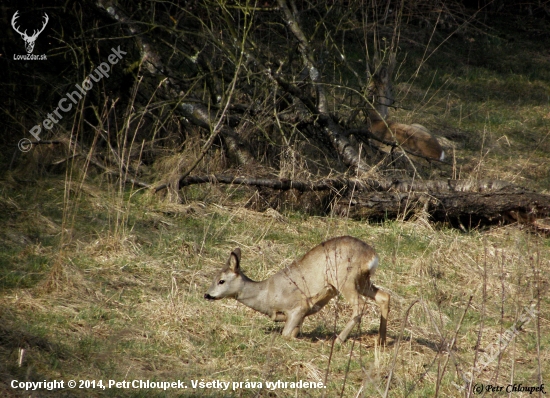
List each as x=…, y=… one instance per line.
x=482, y=323
x=394, y=361
x=450, y=347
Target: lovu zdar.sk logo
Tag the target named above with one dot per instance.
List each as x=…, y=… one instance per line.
x=29, y=40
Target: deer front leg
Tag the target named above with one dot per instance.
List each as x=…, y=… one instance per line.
x=293, y=323
x=358, y=304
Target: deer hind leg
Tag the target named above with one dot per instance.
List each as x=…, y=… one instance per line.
x=383, y=300
x=358, y=304
x=318, y=301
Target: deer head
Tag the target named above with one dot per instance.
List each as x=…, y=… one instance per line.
x=29, y=40
x=380, y=89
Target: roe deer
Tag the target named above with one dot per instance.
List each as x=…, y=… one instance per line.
x=414, y=138
x=343, y=264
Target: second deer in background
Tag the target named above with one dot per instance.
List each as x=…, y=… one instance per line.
x=413, y=138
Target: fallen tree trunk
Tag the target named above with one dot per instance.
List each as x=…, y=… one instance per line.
x=468, y=202
x=467, y=207
x=355, y=184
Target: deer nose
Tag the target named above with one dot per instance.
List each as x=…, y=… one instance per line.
x=208, y=297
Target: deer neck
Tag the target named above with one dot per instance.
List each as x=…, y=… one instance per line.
x=254, y=295
x=380, y=96
x=378, y=112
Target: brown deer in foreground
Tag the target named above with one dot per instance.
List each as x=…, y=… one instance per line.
x=343, y=264
x=414, y=138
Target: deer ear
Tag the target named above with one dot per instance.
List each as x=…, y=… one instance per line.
x=235, y=260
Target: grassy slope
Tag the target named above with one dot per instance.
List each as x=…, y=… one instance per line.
x=490, y=95
x=122, y=299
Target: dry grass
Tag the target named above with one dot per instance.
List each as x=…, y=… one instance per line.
x=130, y=307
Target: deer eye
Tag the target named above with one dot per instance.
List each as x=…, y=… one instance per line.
x=221, y=282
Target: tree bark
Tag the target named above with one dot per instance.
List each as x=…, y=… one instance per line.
x=350, y=157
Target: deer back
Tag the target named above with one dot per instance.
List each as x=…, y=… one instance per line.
x=336, y=262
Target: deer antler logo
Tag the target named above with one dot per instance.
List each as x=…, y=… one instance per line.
x=29, y=40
